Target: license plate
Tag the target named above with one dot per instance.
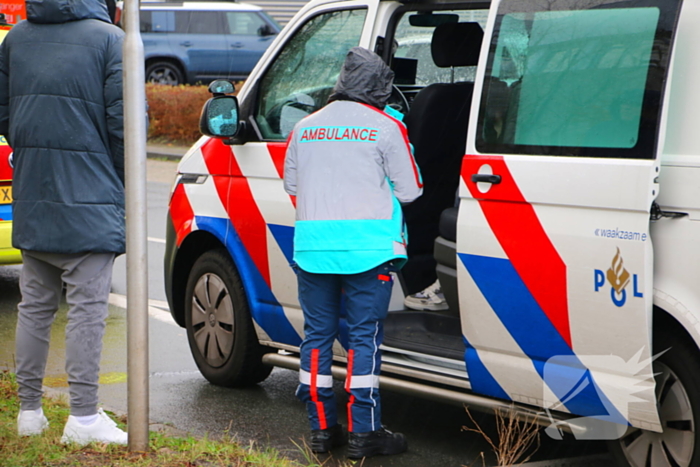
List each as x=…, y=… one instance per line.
x=5, y=194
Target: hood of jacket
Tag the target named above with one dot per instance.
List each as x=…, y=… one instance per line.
x=364, y=78
x=63, y=11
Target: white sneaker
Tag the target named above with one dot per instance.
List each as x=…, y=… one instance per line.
x=430, y=299
x=31, y=422
x=102, y=430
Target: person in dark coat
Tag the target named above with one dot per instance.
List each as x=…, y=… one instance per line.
x=61, y=111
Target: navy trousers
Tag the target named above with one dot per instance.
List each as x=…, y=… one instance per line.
x=366, y=299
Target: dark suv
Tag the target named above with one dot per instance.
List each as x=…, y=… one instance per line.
x=196, y=42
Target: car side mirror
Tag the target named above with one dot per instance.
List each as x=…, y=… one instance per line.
x=219, y=117
x=266, y=30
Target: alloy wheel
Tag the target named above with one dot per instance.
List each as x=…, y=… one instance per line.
x=212, y=319
x=674, y=447
x=163, y=75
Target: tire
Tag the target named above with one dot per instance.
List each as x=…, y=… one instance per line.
x=220, y=330
x=164, y=73
x=677, y=374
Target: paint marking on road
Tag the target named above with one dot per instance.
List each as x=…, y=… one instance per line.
x=162, y=304
x=157, y=309
x=165, y=374
x=61, y=381
x=156, y=240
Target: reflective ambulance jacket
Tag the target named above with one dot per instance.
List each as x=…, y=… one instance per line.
x=349, y=166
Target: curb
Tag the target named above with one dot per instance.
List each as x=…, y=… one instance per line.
x=165, y=152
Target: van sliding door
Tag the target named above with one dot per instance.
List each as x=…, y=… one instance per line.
x=555, y=260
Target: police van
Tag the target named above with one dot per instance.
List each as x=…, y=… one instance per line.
x=558, y=146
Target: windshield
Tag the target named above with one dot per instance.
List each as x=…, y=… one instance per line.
x=413, y=43
x=576, y=80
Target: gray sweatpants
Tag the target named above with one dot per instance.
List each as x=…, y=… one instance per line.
x=88, y=278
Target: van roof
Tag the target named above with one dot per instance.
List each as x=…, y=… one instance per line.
x=200, y=6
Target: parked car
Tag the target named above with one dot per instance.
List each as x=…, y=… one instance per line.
x=570, y=265
x=8, y=255
x=196, y=42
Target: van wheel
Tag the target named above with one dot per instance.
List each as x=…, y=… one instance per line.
x=220, y=330
x=677, y=375
x=164, y=73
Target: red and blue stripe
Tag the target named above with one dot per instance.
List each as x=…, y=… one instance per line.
x=528, y=293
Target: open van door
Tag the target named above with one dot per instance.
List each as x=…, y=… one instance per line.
x=555, y=261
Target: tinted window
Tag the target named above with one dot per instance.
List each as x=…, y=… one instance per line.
x=145, y=21
x=199, y=22
x=244, y=22
x=157, y=21
x=302, y=77
x=576, y=80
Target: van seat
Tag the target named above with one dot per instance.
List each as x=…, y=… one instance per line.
x=448, y=224
x=437, y=127
x=445, y=251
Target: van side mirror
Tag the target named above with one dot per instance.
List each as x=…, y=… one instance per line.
x=219, y=117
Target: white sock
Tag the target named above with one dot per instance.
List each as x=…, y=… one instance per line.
x=39, y=411
x=86, y=420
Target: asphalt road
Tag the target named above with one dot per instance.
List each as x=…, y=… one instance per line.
x=267, y=415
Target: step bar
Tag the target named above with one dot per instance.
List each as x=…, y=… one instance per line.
x=472, y=401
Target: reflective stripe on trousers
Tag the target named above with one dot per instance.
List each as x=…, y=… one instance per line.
x=366, y=301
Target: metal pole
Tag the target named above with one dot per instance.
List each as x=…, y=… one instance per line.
x=136, y=244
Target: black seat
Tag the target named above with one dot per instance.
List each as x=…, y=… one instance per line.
x=448, y=224
x=437, y=128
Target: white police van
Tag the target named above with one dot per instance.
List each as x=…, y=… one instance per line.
x=570, y=258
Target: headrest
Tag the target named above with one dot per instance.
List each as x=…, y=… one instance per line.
x=456, y=44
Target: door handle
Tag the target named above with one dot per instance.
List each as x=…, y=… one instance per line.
x=486, y=178
x=186, y=44
x=237, y=45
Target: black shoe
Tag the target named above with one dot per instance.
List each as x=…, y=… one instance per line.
x=373, y=443
x=325, y=440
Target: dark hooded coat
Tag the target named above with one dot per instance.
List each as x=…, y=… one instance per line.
x=364, y=78
x=61, y=111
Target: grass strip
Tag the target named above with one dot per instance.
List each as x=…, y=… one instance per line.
x=46, y=450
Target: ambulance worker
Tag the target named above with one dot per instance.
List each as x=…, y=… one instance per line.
x=350, y=167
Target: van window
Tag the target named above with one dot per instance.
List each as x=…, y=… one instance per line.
x=302, y=77
x=584, y=82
